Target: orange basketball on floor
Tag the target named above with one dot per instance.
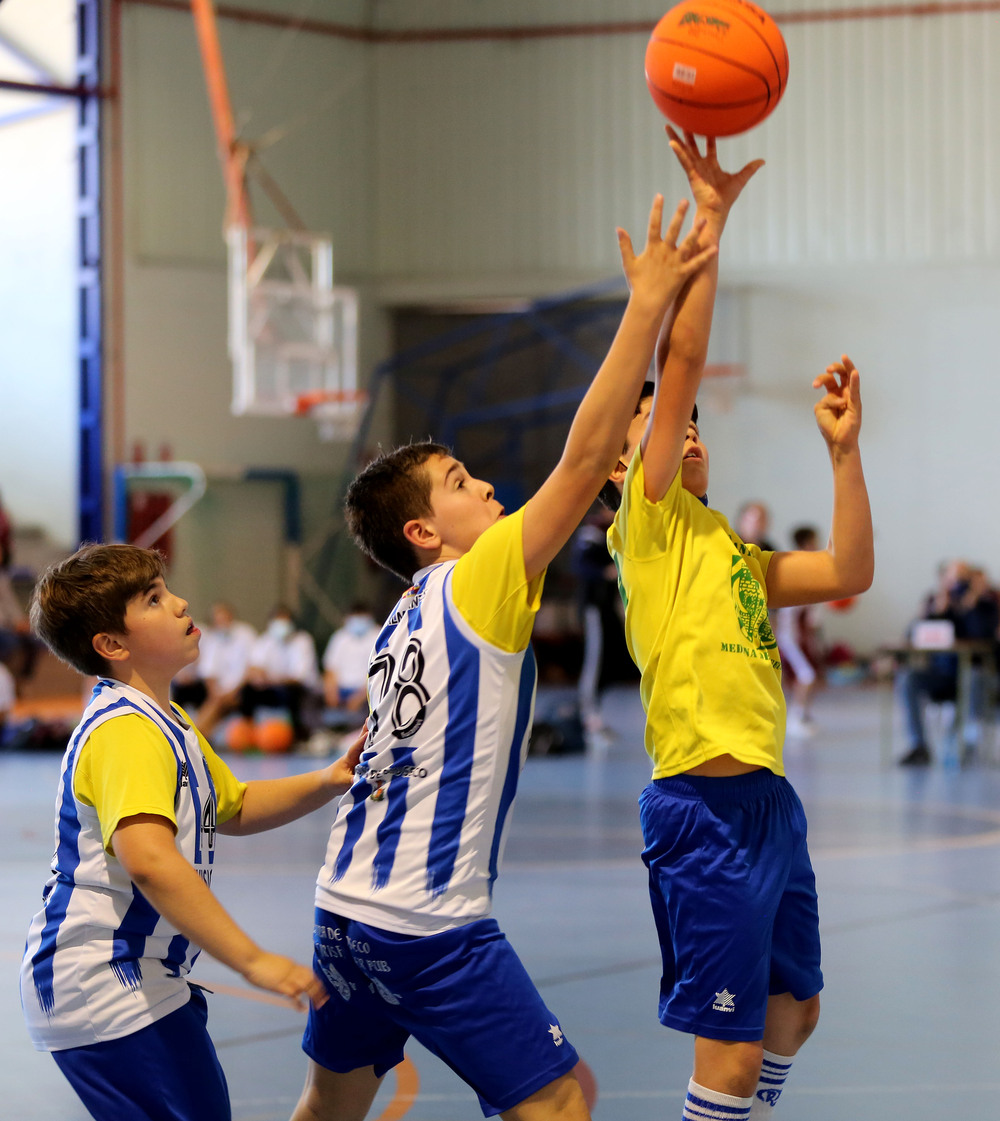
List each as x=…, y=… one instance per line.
x=239, y=734
x=274, y=734
x=716, y=67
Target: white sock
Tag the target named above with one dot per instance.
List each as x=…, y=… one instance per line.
x=703, y=1104
x=773, y=1072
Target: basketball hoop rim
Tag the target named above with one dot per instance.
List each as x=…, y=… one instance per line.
x=306, y=403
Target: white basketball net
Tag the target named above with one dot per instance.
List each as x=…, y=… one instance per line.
x=292, y=334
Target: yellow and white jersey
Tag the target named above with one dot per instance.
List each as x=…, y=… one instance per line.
x=418, y=839
x=100, y=962
x=696, y=624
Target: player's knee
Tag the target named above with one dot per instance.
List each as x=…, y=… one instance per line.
x=567, y=1099
x=561, y=1100
x=312, y=1105
x=307, y=1108
x=808, y=1017
x=728, y=1066
x=744, y=1064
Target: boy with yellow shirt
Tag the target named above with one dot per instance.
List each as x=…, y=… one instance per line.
x=731, y=885
x=128, y=905
x=403, y=934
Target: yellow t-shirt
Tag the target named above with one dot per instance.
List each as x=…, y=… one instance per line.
x=126, y=767
x=490, y=588
x=696, y=625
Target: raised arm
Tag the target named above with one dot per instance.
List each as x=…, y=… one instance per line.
x=846, y=567
x=683, y=344
x=598, y=432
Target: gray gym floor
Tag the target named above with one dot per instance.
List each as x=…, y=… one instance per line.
x=909, y=880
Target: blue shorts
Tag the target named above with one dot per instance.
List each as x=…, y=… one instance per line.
x=734, y=900
x=167, y=1071
x=464, y=994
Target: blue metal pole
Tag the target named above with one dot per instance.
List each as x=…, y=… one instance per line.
x=89, y=275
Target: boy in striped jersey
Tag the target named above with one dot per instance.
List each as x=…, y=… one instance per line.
x=403, y=935
x=128, y=905
x=731, y=884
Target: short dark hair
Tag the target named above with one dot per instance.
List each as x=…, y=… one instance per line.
x=610, y=495
x=803, y=534
x=392, y=490
x=86, y=595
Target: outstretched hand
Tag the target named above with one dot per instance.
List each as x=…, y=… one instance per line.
x=714, y=190
x=838, y=412
x=661, y=270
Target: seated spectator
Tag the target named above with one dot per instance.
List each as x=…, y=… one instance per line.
x=283, y=672
x=963, y=597
x=797, y=632
x=226, y=645
x=753, y=520
x=345, y=661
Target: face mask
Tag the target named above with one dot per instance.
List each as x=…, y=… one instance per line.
x=356, y=625
x=280, y=629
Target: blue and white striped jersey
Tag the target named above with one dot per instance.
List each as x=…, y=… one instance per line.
x=417, y=841
x=100, y=962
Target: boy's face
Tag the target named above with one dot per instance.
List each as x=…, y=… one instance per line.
x=694, y=461
x=694, y=465
x=462, y=508
x=161, y=638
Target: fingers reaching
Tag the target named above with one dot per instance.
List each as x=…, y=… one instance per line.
x=746, y=173
x=838, y=411
x=691, y=242
x=714, y=189
x=655, y=220
x=838, y=375
x=626, y=249
x=682, y=149
x=669, y=259
x=676, y=221
x=693, y=255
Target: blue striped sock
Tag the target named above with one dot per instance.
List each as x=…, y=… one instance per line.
x=709, y=1105
x=773, y=1072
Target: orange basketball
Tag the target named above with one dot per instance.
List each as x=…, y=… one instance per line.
x=716, y=67
x=239, y=734
x=274, y=734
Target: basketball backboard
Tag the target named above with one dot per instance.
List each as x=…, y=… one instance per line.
x=292, y=334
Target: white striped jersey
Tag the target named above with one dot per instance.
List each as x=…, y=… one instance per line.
x=100, y=962
x=418, y=839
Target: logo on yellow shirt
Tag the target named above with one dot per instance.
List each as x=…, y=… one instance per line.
x=751, y=605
